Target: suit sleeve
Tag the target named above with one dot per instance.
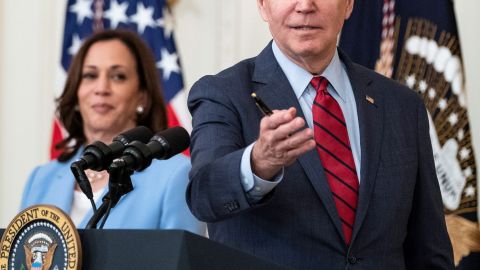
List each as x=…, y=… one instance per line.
x=215, y=190
x=427, y=244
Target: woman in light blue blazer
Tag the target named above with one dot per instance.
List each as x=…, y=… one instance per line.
x=113, y=86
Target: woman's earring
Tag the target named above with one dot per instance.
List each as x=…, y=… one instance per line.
x=140, y=109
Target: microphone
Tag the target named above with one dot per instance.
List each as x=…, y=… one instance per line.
x=98, y=156
x=163, y=145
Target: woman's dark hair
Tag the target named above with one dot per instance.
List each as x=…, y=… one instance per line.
x=154, y=115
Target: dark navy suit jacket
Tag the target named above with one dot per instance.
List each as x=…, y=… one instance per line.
x=399, y=221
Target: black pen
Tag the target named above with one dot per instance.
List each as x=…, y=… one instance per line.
x=261, y=105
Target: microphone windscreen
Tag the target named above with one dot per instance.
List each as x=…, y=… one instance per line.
x=139, y=133
x=175, y=140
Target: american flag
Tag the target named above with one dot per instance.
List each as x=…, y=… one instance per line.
x=153, y=21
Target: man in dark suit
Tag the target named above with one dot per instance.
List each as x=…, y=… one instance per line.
x=340, y=176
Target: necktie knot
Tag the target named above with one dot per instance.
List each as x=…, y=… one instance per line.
x=319, y=83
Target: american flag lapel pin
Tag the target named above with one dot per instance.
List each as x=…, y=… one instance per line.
x=370, y=99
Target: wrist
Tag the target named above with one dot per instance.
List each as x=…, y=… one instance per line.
x=262, y=168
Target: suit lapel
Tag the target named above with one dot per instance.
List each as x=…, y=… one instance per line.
x=273, y=87
x=271, y=84
x=370, y=118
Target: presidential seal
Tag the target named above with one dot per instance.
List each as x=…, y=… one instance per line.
x=41, y=237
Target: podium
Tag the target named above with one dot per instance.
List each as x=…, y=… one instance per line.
x=161, y=249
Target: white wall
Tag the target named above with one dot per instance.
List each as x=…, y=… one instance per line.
x=29, y=53
x=211, y=35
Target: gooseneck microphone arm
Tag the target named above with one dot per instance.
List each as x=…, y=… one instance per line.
x=78, y=170
x=95, y=157
x=119, y=184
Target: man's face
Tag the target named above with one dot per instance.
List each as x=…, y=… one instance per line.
x=305, y=29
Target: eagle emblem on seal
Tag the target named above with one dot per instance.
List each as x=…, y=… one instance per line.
x=39, y=250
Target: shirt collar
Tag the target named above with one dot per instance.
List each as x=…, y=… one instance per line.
x=299, y=78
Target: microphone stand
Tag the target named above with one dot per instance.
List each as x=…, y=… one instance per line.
x=119, y=184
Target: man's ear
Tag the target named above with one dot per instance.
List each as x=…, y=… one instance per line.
x=349, y=9
x=262, y=9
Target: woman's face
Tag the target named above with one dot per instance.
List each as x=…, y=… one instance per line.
x=109, y=92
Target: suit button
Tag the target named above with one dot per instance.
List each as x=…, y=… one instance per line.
x=352, y=260
x=231, y=206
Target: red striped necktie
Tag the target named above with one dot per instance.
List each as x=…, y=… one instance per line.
x=333, y=146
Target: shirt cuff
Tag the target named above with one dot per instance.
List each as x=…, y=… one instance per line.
x=255, y=186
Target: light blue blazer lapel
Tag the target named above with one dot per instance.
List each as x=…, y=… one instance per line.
x=370, y=119
x=64, y=183
x=271, y=85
